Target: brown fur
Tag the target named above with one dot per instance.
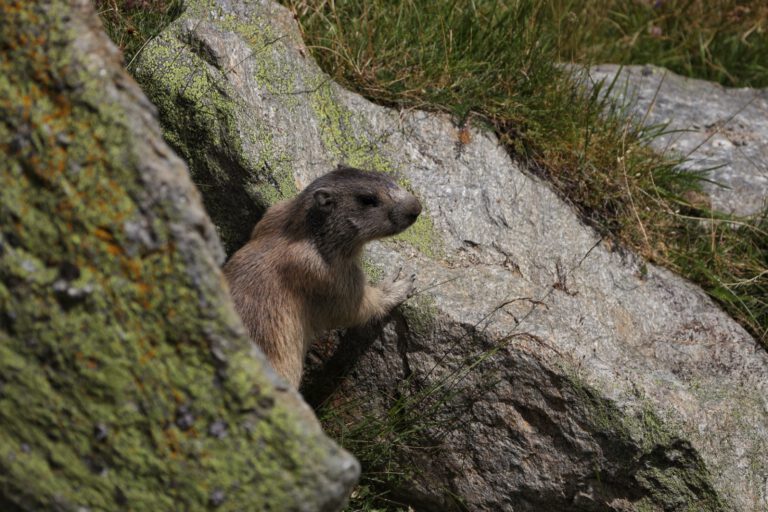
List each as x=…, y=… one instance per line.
x=300, y=273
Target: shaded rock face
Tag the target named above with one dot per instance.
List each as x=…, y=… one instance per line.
x=721, y=130
x=546, y=370
x=126, y=380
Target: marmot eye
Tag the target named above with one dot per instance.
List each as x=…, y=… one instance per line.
x=368, y=200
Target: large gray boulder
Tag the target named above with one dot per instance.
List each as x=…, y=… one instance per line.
x=545, y=369
x=126, y=379
x=723, y=131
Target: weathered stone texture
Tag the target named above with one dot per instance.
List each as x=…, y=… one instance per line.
x=126, y=379
x=573, y=376
x=723, y=131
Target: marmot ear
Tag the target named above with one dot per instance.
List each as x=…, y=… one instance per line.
x=323, y=199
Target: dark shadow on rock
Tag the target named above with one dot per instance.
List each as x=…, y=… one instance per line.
x=231, y=207
x=9, y=506
x=332, y=358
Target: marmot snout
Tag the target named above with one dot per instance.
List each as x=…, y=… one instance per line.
x=300, y=274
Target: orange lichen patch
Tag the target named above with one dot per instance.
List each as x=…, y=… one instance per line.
x=89, y=362
x=143, y=288
x=64, y=107
x=102, y=206
x=115, y=250
x=148, y=356
x=132, y=269
x=34, y=163
x=114, y=187
x=465, y=137
x=59, y=158
x=64, y=207
x=103, y=234
x=172, y=441
x=145, y=297
x=26, y=103
x=12, y=8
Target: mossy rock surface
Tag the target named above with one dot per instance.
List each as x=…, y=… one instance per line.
x=254, y=119
x=126, y=380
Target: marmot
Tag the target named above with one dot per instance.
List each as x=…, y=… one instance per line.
x=300, y=273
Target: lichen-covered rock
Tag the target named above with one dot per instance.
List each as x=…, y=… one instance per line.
x=540, y=368
x=722, y=131
x=126, y=380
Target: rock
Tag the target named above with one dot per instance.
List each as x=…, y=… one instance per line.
x=719, y=129
x=539, y=368
x=119, y=346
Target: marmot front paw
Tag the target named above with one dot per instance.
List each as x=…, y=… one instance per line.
x=396, y=288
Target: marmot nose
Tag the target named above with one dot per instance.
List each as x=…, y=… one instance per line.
x=411, y=210
x=414, y=211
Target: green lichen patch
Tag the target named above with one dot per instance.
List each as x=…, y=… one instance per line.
x=674, y=478
x=423, y=236
x=420, y=312
x=665, y=469
x=374, y=271
x=341, y=134
x=199, y=118
x=233, y=159
x=344, y=139
x=124, y=381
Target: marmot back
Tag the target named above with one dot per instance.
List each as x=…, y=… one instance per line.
x=300, y=274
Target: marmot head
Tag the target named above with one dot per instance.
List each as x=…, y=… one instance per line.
x=349, y=207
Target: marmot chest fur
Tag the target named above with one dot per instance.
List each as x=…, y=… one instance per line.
x=300, y=274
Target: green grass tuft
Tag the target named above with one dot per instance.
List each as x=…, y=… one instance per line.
x=131, y=24
x=413, y=423
x=721, y=40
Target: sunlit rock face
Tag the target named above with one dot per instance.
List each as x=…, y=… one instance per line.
x=543, y=368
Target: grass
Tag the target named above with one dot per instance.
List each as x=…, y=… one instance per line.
x=720, y=40
x=131, y=24
x=412, y=422
x=378, y=440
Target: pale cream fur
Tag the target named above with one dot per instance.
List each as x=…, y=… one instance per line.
x=287, y=292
